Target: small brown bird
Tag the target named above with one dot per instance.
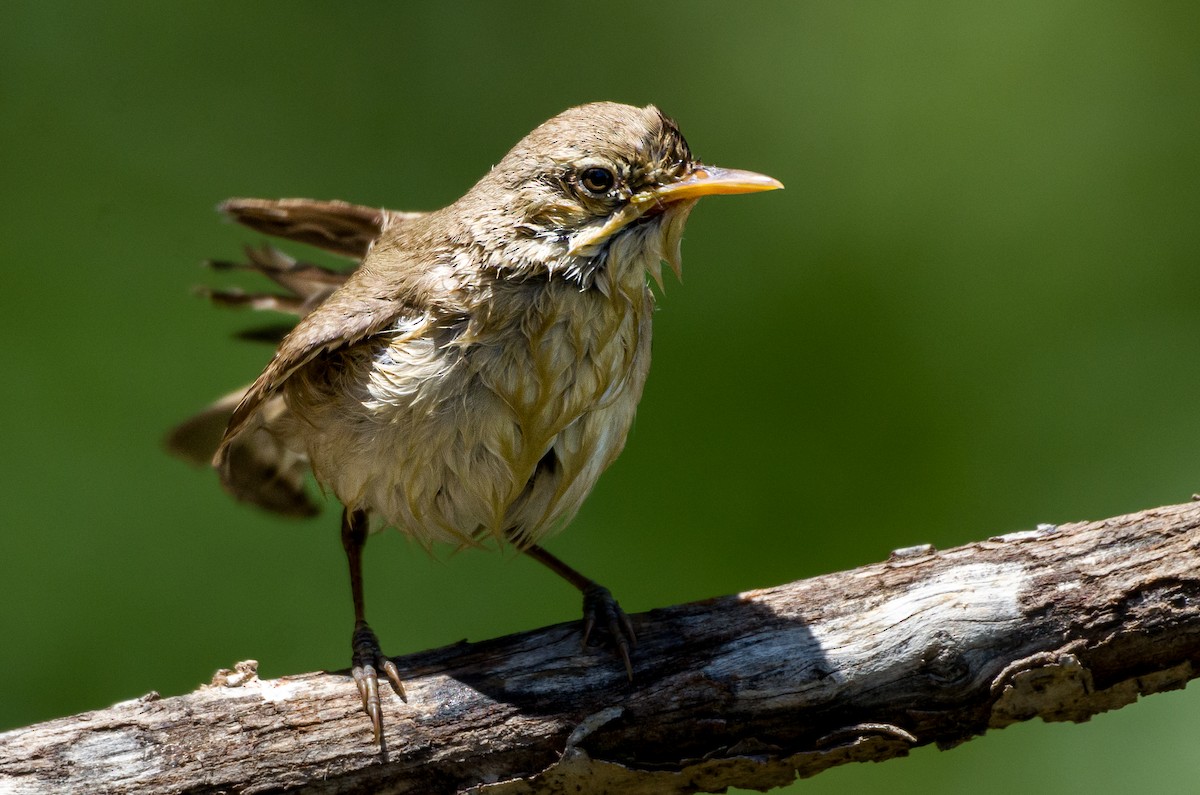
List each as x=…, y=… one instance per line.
x=470, y=380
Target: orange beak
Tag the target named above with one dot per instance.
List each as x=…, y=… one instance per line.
x=709, y=181
x=700, y=181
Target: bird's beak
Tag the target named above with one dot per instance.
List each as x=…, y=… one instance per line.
x=708, y=181
x=699, y=181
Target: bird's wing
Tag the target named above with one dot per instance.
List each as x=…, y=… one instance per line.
x=336, y=226
x=367, y=304
x=236, y=432
x=276, y=478
x=306, y=285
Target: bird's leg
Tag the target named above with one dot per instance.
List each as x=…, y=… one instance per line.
x=599, y=606
x=366, y=657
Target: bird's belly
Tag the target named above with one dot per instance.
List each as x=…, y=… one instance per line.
x=500, y=439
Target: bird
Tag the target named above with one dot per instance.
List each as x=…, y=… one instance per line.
x=471, y=378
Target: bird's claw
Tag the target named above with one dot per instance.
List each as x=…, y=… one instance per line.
x=367, y=660
x=599, y=607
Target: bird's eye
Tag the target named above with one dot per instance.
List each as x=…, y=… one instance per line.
x=597, y=180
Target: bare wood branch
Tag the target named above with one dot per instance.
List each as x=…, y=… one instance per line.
x=748, y=690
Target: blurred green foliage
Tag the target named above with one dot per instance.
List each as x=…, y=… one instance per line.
x=975, y=308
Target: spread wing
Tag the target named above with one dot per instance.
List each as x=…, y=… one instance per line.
x=372, y=298
x=306, y=285
x=339, y=227
x=236, y=432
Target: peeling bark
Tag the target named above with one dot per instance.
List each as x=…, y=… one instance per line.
x=750, y=690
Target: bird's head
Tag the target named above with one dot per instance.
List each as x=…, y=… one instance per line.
x=597, y=184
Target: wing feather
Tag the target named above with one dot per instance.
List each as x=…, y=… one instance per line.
x=338, y=227
x=369, y=302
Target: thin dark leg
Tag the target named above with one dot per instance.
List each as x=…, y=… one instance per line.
x=366, y=656
x=598, y=605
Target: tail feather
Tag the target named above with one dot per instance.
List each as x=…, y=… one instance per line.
x=262, y=469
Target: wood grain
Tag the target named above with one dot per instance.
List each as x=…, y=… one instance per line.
x=748, y=690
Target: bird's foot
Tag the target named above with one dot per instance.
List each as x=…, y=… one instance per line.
x=368, y=660
x=601, y=609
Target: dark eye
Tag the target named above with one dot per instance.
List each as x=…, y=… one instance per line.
x=597, y=180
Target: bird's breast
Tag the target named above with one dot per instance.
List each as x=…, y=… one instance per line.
x=495, y=423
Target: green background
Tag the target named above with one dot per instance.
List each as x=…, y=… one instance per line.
x=976, y=307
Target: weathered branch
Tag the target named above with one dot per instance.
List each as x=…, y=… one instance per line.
x=748, y=690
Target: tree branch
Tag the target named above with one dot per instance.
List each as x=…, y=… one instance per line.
x=748, y=690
